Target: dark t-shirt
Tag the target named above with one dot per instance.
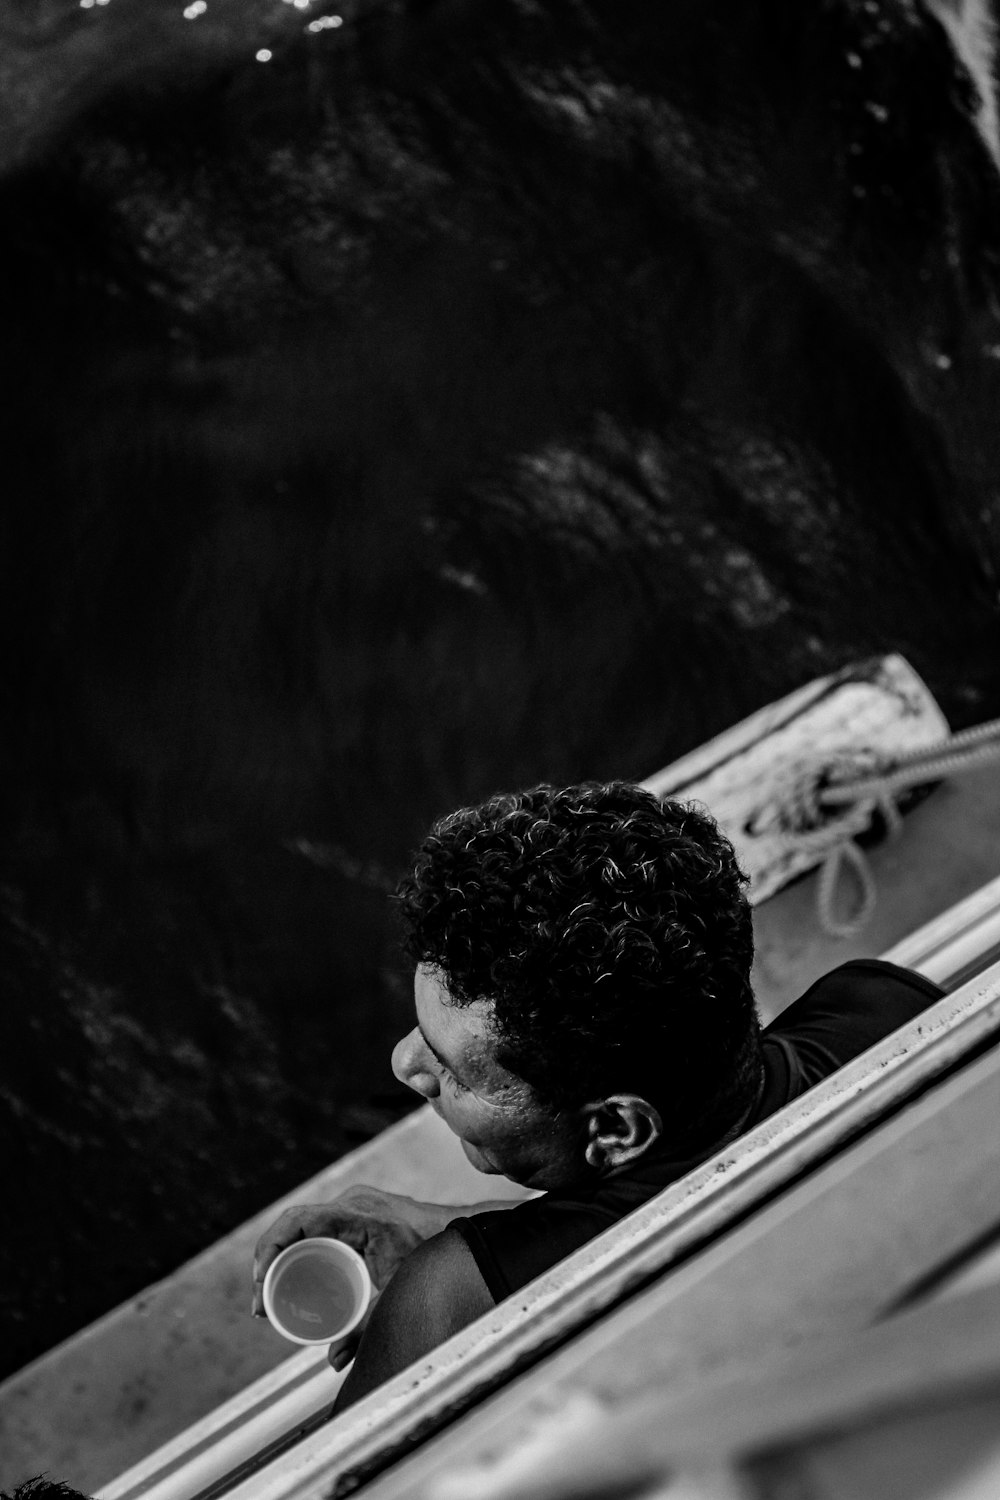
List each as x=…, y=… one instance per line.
x=840, y=1016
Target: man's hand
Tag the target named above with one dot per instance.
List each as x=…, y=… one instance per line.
x=381, y=1227
x=340, y=1355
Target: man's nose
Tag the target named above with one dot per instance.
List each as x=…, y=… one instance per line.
x=411, y=1065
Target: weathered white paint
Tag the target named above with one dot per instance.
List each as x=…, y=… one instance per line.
x=755, y=775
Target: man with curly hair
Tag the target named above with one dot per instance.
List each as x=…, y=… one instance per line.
x=586, y=1026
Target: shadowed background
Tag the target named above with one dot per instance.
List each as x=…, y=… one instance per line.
x=405, y=401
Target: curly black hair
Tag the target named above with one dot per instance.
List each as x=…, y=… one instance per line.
x=42, y=1488
x=612, y=934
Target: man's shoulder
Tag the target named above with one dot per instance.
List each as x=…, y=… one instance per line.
x=841, y=1014
x=872, y=975
x=857, y=987
x=516, y=1245
x=439, y=1282
x=437, y=1290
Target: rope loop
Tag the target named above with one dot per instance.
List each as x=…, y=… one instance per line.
x=828, y=805
x=842, y=859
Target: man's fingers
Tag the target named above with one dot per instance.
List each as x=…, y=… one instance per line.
x=340, y=1355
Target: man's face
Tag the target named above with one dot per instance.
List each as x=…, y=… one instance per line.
x=450, y=1058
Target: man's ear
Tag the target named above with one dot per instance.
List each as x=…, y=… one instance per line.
x=619, y=1129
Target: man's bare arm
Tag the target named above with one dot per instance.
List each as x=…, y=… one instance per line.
x=436, y=1291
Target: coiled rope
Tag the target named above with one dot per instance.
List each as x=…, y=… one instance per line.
x=855, y=796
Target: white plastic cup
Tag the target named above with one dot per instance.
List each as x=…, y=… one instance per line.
x=317, y=1291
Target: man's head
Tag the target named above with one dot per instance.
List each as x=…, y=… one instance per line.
x=583, y=959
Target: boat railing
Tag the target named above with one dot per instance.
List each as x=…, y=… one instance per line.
x=271, y=1441
x=903, y=1403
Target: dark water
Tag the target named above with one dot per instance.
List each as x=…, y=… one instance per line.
x=467, y=394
